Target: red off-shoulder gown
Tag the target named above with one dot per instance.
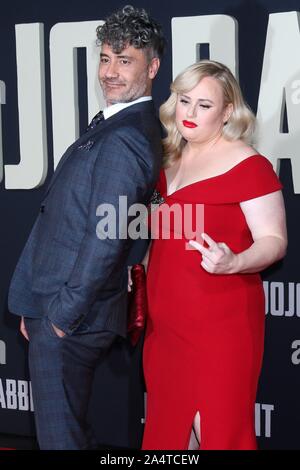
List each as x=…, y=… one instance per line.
x=205, y=332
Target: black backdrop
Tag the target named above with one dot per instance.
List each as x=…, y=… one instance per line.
x=118, y=401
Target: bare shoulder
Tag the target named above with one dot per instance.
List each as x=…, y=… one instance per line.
x=240, y=151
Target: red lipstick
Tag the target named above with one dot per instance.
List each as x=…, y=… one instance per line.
x=189, y=124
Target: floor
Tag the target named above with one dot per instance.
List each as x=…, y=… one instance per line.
x=9, y=441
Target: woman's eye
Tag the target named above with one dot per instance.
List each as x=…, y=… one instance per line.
x=183, y=101
x=205, y=106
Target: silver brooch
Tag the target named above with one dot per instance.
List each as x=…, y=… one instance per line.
x=156, y=198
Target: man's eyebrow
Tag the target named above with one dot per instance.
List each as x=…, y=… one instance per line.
x=127, y=57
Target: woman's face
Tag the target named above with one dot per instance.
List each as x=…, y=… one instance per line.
x=201, y=112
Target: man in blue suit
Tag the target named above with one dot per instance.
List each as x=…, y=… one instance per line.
x=70, y=284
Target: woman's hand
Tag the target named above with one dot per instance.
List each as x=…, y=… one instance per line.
x=217, y=258
x=129, y=279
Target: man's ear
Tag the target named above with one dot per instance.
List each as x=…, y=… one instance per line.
x=153, y=67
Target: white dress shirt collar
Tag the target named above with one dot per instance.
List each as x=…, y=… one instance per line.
x=115, y=108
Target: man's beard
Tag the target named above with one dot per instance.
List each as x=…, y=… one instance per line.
x=136, y=91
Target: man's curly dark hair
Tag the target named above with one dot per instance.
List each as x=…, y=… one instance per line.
x=132, y=26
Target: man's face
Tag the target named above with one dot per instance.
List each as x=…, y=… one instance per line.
x=126, y=76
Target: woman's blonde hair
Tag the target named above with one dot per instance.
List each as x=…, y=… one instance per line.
x=240, y=124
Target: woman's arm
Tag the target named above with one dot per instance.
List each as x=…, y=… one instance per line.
x=265, y=217
x=146, y=257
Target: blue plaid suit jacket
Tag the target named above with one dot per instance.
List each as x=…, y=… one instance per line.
x=65, y=271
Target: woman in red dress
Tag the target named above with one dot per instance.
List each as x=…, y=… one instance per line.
x=205, y=332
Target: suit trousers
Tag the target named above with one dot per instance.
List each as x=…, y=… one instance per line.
x=62, y=372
